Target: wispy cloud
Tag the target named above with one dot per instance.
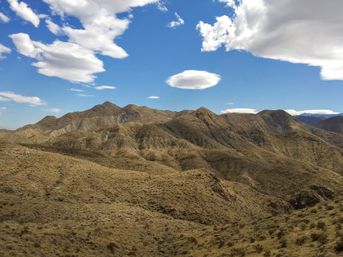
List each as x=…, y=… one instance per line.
x=84, y=95
x=154, y=97
x=4, y=50
x=176, y=23
x=105, y=87
x=4, y=18
x=76, y=90
x=29, y=100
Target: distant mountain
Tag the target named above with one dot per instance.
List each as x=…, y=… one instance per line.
x=334, y=124
x=314, y=119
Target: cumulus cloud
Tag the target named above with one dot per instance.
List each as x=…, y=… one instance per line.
x=4, y=50
x=24, y=11
x=4, y=18
x=240, y=110
x=194, y=79
x=101, y=25
x=104, y=87
x=297, y=31
x=60, y=59
x=76, y=60
x=154, y=97
x=178, y=22
x=29, y=100
x=320, y=112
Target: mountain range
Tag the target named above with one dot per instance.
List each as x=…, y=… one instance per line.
x=135, y=181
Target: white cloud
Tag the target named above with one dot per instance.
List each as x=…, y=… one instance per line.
x=322, y=112
x=101, y=25
x=104, y=87
x=178, y=22
x=240, y=110
x=194, y=79
x=4, y=50
x=162, y=6
x=54, y=110
x=297, y=31
x=30, y=100
x=64, y=60
x=229, y=3
x=4, y=18
x=290, y=111
x=53, y=27
x=76, y=59
x=154, y=97
x=76, y=90
x=24, y=11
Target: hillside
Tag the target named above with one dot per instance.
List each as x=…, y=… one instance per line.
x=134, y=181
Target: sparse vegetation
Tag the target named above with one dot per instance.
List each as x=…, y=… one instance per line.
x=171, y=184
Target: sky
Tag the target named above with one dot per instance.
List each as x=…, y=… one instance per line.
x=59, y=56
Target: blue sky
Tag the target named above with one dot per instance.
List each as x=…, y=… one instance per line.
x=250, y=77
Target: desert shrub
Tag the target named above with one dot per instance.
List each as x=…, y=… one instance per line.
x=339, y=246
x=300, y=240
x=283, y=243
x=238, y=252
x=258, y=248
x=319, y=237
x=280, y=234
x=314, y=211
x=321, y=225
x=267, y=253
x=230, y=244
x=111, y=247
x=330, y=207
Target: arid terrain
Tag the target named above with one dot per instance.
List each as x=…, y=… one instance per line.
x=135, y=181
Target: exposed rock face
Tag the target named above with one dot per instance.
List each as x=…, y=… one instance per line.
x=311, y=197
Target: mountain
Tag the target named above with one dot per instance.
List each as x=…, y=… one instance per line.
x=334, y=124
x=314, y=119
x=126, y=181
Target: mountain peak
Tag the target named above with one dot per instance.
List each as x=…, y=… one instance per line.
x=278, y=120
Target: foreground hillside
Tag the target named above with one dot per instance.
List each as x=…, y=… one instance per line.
x=54, y=205
x=134, y=181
